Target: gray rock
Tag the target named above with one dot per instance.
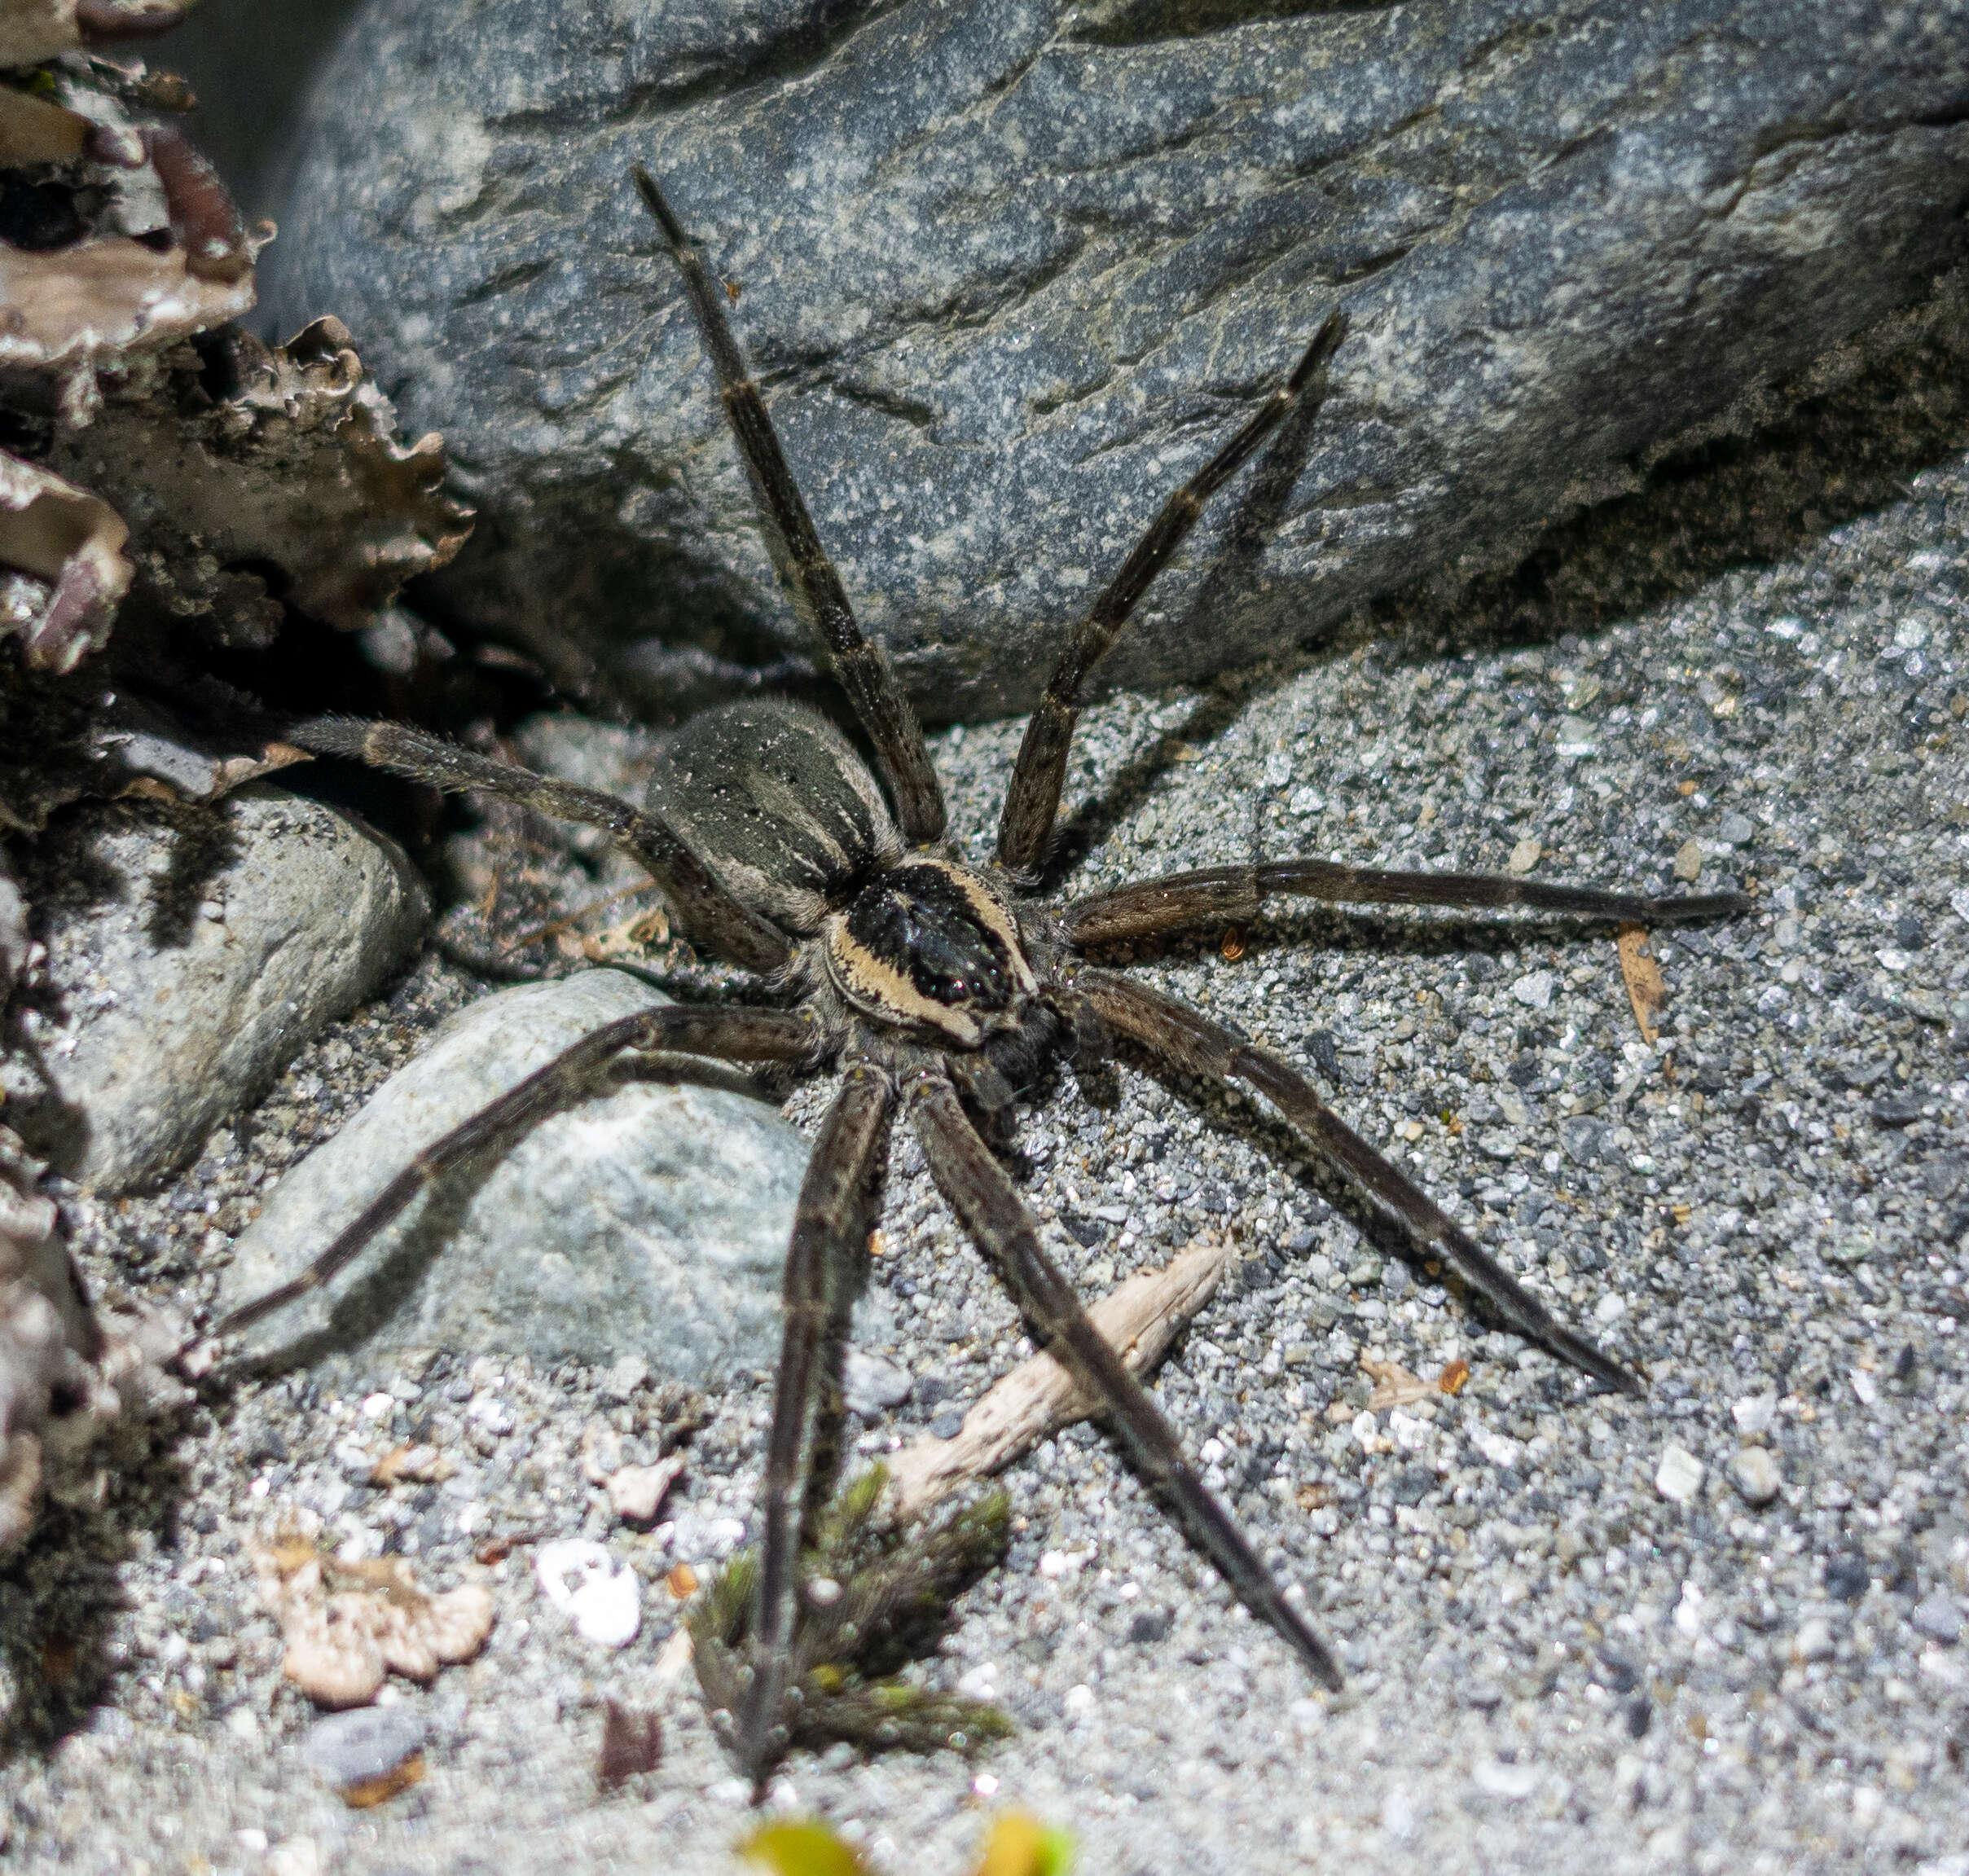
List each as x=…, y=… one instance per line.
x=362, y=1746
x=648, y=1221
x=189, y=954
x=1008, y=273
x=1937, y=1617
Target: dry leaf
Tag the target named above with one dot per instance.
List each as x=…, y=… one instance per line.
x=673, y=1659
x=1645, y=988
x=632, y=1741
x=346, y=1625
x=1394, y=1386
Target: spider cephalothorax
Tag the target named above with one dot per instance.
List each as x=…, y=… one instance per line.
x=933, y=987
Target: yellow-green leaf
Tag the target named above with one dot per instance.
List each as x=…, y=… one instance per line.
x=1020, y=1845
x=801, y=1850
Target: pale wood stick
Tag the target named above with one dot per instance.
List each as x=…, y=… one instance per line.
x=1138, y=1319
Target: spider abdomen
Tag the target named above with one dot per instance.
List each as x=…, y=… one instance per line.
x=928, y=944
x=775, y=801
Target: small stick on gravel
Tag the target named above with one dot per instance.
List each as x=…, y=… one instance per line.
x=1138, y=1319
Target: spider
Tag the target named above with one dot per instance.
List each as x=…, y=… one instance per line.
x=935, y=988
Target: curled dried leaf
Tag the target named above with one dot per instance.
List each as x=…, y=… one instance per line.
x=295, y=463
x=72, y=543
x=346, y=1625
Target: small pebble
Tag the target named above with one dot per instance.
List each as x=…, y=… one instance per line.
x=1534, y=990
x=1689, y=860
x=602, y=1598
x=1847, y=1575
x=635, y=1492
x=621, y=1379
x=1754, y=1414
x=1755, y=1474
x=1680, y=1475
x=1937, y=1617
x=1524, y=856
x=1735, y=830
x=1813, y=1640
x=872, y=1384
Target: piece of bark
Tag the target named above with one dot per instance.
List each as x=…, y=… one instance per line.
x=1139, y=1319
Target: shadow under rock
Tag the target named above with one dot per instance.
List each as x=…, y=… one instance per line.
x=1895, y=403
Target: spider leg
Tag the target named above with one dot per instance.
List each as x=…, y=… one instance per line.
x=826, y=1264
x=1235, y=895
x=803, y=564
x=1180, y=1034
x=988, y=1205
x=729, y=1035
x=704, y=908
x=1025, y=827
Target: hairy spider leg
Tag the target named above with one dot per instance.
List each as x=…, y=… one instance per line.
x=708, y=913
x=826, y=1266
x=1177, y=1034
x=1032, y=801
x=1235, y=895
x=858, y=664
x=724, y=1035
x=988, y=1205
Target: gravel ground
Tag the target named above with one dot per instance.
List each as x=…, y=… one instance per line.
x=1566, y=1643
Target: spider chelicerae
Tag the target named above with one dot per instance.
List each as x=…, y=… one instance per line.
x=935, y=988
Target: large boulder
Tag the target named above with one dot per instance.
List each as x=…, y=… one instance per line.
x=1008, y=272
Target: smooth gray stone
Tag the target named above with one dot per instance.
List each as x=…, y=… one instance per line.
x=362, y=1744
x=1008, y=272
x=191, y=953
x=651, y=1220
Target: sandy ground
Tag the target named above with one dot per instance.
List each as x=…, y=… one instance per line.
x=1553, y=1660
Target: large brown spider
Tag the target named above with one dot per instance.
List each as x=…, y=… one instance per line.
x=937, y=988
